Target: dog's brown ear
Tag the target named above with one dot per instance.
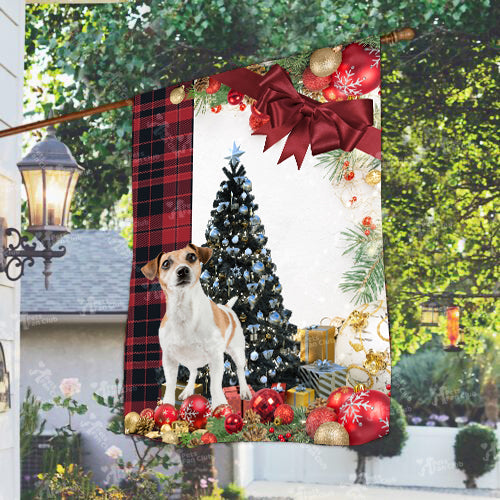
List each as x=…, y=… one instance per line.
x=204, y=253
x=150, y=270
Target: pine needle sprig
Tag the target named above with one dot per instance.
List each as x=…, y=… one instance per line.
x=295, y=65
x=203, y=102
x=370, y=41
x=366, y=278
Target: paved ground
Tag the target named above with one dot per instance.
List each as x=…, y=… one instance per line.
x=259, y=490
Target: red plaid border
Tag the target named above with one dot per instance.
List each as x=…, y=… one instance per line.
x=162, y=172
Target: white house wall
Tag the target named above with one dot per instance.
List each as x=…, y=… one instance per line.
x=11, y=88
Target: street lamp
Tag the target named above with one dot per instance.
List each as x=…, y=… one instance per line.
x=429, y=315
x=50, y=173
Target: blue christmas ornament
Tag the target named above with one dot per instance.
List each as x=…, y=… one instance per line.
x=262, y=282
x=263, y=379
x=252, y=287
x=236, y=250
x=279, y=360
x=243, y=196
x=235, y=239
x=246, y=275
x=248, y=251
x=263, y=251
x=273, y=303
x=243, y=209
x=216, y=284
x=227, y=223
x=260, y=315
x=247, y=184
x=268, y=354
x=258, y=267
x=205, y=275
x=214, y=233
x=255, y=220
x=247, y=373
x=278, y=287
x=253, y=328
x=274, y=318
x=252, y=299
x=225, y=242
x=227, y=364
x=219, y=260
x=261, y=238
x=254, y=356
x=272, y=373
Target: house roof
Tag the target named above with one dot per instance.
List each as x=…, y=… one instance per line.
x=92, y=278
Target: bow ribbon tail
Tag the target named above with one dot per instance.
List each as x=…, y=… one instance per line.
x=297, y=142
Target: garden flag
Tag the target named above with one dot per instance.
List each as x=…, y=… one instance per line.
x=257, y=297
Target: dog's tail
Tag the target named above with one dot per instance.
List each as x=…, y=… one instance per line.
x=230, y=303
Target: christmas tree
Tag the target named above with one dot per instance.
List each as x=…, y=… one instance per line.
x=241, y=267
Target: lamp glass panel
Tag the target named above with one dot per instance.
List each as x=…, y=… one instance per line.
x=55, y=195
x=33, y=183
x=71, y=192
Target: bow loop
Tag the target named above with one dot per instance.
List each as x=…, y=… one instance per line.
x=323, y=126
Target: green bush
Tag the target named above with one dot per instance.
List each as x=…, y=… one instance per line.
x=233, y=492
x=476, y=452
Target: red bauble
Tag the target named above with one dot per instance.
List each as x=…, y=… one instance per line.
x=349, y=176
x=165, y=414
x=264, y=402
x=338, y=397
x=208, y=438
x=285, y=413
x=233, y=423
x=367, y=221
x=313, y=82
x=359, y=72
x=234, y=97
x=213, y=86
x=332, y=93
x=365, y=416
x=367, y=232
x=148, y=413
x=257, y=121
x=195, y=410
x=317, y=417
x=222, y=411
x=243, y=106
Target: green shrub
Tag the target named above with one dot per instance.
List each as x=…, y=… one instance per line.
x=233, y=492
x=476, y=452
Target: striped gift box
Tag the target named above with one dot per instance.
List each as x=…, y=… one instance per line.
x=323, y=376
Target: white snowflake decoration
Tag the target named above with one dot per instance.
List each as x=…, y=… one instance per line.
x=375, y=53
x=352, y=407
x=384, y=429
x=189, y=414
x=347, y=83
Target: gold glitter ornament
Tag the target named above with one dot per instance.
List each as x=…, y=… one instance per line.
x=277, y=421
x=153, y=435
x=165, y=428
x=332, y=434
x=358, y=320
x=180, y=427
x=375, y=362
x=373, y=177
x=170, y=437
x=131, y=420
x=177, y=95
x=325, y=61
x=359, y=388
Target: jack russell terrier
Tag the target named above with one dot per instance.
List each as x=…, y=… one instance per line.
x=195, y=330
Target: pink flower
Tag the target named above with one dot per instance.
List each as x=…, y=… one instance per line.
x=203, y=483
x=70, y=386
x=114, y=452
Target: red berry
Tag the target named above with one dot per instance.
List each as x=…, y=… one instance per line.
x=281, y=436
x=346, y=163
x=271, y=429
x=367, y=232
x=288, y=435
x=373, y=226
x=389, y=393
x=349, y=176
x=367, y=221
x=313, y=82
x=234, y=97
x=216, y=109
x=243, y=106
x=388, y=387
x=354, y=199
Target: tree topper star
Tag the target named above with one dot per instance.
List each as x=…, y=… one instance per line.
x=234, y=154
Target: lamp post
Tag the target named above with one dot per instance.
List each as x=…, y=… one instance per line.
x=453, y=328
x=429, y=315
x=50, y=173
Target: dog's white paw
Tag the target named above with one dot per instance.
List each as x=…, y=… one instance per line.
x=185, y=393
x=245, y=393
x=217, y=401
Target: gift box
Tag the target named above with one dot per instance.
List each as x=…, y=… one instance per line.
x=317, y=342
x=299, y=396
x=279, y=387
x=234, y=400
x=179, y=387
x=323, y=376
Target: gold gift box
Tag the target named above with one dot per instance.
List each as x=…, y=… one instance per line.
x=317, y=342
x=180, y=386
x=299, y=396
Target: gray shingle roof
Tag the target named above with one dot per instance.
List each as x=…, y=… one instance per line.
x=93, y=277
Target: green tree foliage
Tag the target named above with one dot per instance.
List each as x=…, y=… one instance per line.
x=476, y=452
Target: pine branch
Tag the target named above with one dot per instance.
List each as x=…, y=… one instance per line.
x=371, y=41
x=295, y=65
x=204, y=102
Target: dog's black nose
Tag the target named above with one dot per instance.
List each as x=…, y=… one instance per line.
x=182, y=272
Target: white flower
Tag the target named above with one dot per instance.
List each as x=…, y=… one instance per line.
x=114, y=452
x=70, y=386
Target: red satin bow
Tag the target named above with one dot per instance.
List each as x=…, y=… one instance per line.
x=324, y=126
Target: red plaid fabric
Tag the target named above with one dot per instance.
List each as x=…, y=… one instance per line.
x=162, y=172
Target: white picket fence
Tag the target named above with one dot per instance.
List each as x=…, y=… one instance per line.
x=427, y=460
